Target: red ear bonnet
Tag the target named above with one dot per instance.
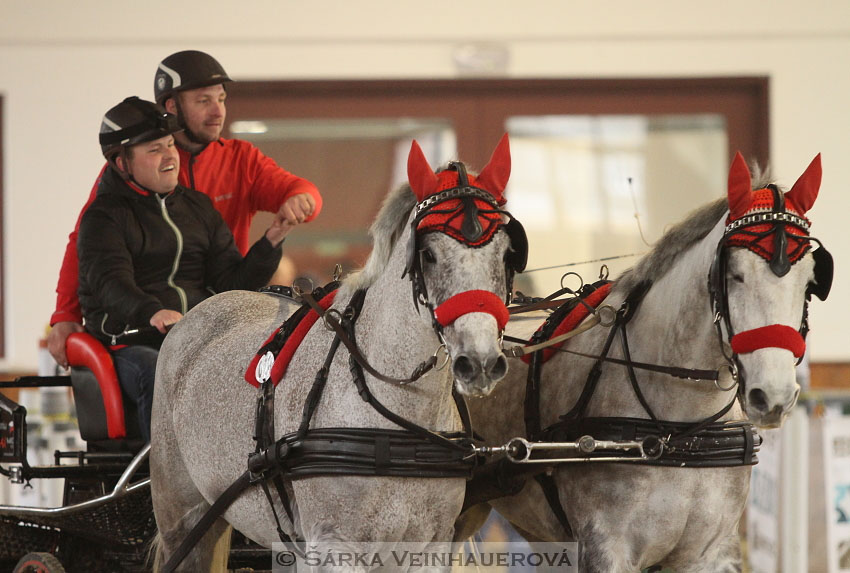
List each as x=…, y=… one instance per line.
x=759, y=237
x=471, y=220
x=805, y=190
x=740, y=193
x=423, y=181
x=494, y=177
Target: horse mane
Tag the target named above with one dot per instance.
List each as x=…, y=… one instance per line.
x=388, y=227
x=682, y=236
x=385, y=231
x=676, y=240
x=761, y=178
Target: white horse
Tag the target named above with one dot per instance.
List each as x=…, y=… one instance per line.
x=747, y=318
x=452, y=239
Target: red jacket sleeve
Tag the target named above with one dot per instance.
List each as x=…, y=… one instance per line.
x=67, y=302
x=273, y=185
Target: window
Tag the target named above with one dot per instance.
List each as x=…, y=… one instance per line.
x=587, y=154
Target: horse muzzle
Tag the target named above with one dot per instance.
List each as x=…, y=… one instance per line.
x=477, y=364
x=478, y=375
x=764, y=413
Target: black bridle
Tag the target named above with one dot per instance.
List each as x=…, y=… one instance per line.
x=471, y=229
x=706, y=443
x=780, y=263
x=413, y=450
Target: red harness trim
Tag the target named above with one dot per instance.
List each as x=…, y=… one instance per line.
x=573, y=319
x=772, y=336
x=281, y=363
x=472, y=301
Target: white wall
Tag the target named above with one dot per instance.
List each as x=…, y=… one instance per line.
x=62, y=64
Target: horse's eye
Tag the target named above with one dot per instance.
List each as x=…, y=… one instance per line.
x=428, y=256
x=737, y=278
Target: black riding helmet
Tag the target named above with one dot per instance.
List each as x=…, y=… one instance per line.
x=134, y=121
x=186, y=70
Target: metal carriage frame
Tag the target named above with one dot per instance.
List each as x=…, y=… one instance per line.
x=106, y=520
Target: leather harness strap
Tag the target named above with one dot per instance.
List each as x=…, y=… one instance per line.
x=707, y=443
x=214, y=512
x=334, y=323
x=413, y=451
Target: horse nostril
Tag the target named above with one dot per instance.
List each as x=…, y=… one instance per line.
x=465, y=369
x=497, y=369
x=758, y=400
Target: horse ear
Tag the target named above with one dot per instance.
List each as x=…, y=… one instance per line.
x=494, y=177
x=740, y=193
x=421, y=177
x=805, y=190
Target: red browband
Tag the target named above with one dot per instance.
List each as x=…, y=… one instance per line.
x=472, y=301
x=773, y=336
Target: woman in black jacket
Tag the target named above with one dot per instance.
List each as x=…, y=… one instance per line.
x=150, y=250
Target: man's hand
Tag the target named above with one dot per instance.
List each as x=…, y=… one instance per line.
x=278, y=231
x=297, y=208
x=56, y=340
x=165, y=318
x=293, y=212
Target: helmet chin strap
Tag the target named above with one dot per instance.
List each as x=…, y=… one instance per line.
x=125, y=173
x=190, y=135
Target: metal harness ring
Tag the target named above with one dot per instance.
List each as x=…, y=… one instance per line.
x=446, y=352
x=331, y=312
x=601, y=311
x=580, y=282
x=733, y=370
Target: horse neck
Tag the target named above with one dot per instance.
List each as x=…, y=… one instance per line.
x=395, y=338
x=673, y=326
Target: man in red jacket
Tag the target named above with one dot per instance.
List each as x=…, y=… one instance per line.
x=238, y=178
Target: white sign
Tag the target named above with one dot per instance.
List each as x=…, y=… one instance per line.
x=836, y=444
x=763, y=506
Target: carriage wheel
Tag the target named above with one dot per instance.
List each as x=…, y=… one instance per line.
x=38, y=563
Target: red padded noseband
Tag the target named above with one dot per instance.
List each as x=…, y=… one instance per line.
x=472, y=301
x=772, y=336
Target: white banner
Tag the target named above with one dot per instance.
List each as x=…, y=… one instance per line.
x=836, y=458
x=763, y=506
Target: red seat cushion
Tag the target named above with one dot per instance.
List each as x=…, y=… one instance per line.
x=85, y=350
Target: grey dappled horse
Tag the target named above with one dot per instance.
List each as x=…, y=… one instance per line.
x=627, y=517
x=203, y=415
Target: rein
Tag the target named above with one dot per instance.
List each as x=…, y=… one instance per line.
x=706, y=443
x=413, y=451
x=622, y=317
x=333, y=320
x=604, y=315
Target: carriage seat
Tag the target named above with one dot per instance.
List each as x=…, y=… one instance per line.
x=101, y=410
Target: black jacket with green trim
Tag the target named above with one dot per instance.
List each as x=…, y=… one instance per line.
x=141, y=252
